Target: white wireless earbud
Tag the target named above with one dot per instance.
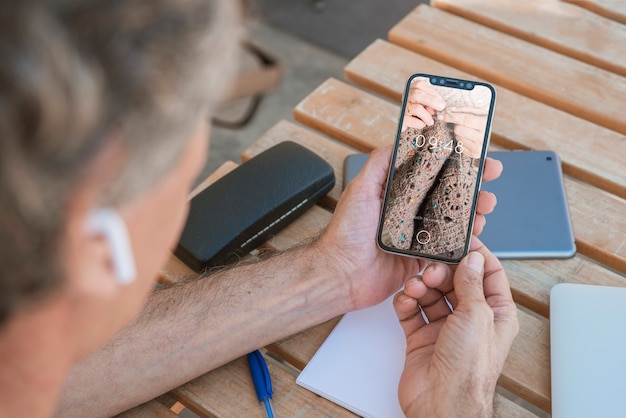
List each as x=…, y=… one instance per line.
x=108, y=223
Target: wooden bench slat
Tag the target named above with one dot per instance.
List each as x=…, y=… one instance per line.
x=603, y=239
x=212, y=395
x=344, y=113
x=612, y=9
x=562, y=27
x=380, y=125
x=525, y=369
x=531, y=280
x=384, y=68
x=506, y=408
x=560, y=81
x=151, y=409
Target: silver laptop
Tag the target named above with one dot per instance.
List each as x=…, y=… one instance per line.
x=588, y=351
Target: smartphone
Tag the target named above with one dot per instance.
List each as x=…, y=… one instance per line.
x=436, y=167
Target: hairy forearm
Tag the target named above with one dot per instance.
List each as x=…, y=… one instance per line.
x=187, y=330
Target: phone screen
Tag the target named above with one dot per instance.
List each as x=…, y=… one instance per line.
x=434, y=176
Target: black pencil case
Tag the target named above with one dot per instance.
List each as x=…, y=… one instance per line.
x=244, y=208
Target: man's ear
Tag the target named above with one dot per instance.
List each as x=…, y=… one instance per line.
x=108, y=224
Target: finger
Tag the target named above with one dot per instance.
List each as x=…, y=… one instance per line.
x=408, y=312
x=497, y=291
x=369, y=183
x=469, y=120
x=478, y=111
x=431, y=297
x=426, y=296
x=469, y=135
x=424, y=337
x=468, y=279
x=439, y=276
x=496, y=282
x=430, y=110
x=438, y=308
x=492, y=170
x=413, y=122
x=375, y=169
x=420, y=112
x=486, y=202
x=415, y=287
x=452, y=299
x=427, y=98
x=479, y=225
x=424, y=85
x=405, y=306
x=470, y=149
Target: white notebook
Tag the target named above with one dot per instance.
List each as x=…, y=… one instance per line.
x=588, y=351
x=360, y=363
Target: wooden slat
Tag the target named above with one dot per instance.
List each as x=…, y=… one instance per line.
x=152, y=409
x=228, y=392
x=526, y=371
x=531, y=280
x=562, y=27
x=505, y=408
x=612, y=9
x=599, y=228
x=384, y=68
x=560, y=81
x=347, y=114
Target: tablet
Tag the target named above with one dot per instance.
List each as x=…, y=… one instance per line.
x=531, y=219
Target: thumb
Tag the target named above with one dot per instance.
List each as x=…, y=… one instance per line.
x=468, y=278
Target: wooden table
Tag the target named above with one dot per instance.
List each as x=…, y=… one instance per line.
x=559, y=69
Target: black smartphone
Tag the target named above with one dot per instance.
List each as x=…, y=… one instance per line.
x=436, y=167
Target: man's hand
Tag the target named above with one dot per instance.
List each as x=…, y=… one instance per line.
x=453, y=362
x=423, y=101
x=349, y=241
x=469, y=128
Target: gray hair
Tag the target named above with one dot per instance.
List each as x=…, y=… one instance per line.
x=75, y=75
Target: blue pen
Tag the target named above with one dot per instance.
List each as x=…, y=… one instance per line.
x=261, y=379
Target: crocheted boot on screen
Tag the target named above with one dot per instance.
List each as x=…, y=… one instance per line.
x=446, y=211
x=416, y=168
